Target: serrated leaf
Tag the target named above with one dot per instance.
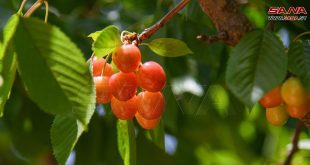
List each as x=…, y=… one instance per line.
x=94, y=35
x=106, y=42
x=55, y=74
x=257, y=64
x=65, y=132
x=169, y=47
x=299, y=61
x=7, y=61
x=126, y=141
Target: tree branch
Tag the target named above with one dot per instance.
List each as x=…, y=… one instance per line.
x=295, y=140
x=213, y=38
x=147, y=33
x=226, y=16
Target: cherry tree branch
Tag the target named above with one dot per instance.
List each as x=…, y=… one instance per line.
x=147, y=33
x=227, y=18
x=295, y=140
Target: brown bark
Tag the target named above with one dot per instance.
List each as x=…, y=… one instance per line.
x=227, y=18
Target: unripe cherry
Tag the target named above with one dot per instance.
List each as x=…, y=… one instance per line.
x=147, y=124
x=98, y=65
x=277, y=115
x=127, y=58
x=151, y=105
x=124, y=110
x=103, y=92
x=151, y=76
x=123, y=85
x=293, y=92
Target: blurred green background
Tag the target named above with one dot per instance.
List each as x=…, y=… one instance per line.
x=204, y=123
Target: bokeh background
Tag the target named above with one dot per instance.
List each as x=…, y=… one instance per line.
x=204, y=123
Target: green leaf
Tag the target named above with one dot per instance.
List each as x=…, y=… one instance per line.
x=7, y=76
x=169, y=47
x=65, y=132
x=157, y=135
x=257, y=64
x=94, y=35
x=126, y=141
x=53, y=69
x=106, y=41
x=299, y=61
x=7, y=62
x=8, y=34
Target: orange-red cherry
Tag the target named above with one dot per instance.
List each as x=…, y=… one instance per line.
x=124, y=109
x=147, y=124
x=98, y=65
x=298, y=111
x=277, y=115
x=103, y=93
x=123, y=85
x=272, y=98
x=127, y=58
x=151, y=105
x=151, y=76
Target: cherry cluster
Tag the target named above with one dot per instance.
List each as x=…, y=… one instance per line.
x=121, y=88
x=287, y=100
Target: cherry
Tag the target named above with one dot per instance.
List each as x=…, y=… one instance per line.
x=98, y=65
x=293, y=92
x=123, y=85
x=277, y=115
x=124, y=109
x=151, y=105
x=151, y=77
x=147, y=124
x=103, y=93
x=298, y=111
x=273, y=98
x=127, y=58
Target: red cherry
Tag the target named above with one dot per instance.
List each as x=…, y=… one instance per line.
x=124, y=109
x=98, y=65
x=127, y=58
x=272, y=98
x=147, y=124
x=123, y=85
x=151, y=76
x=298, y=111
x=103, y=93
x=151, y=105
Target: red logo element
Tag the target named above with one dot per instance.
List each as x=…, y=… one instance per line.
x=290, y=10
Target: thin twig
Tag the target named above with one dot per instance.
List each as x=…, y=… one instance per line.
x=295, y=140
x=147, y=33
x=213, y=38
x=33, y=8
x=46, y=11
x=22, y=7
x=300, y=35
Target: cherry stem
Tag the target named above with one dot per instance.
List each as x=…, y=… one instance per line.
x=33, y=8
x=46, y=11
x=300, y=35
x=295, y=140
x=147, y=33
x=20, y=10
x=105, y=63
